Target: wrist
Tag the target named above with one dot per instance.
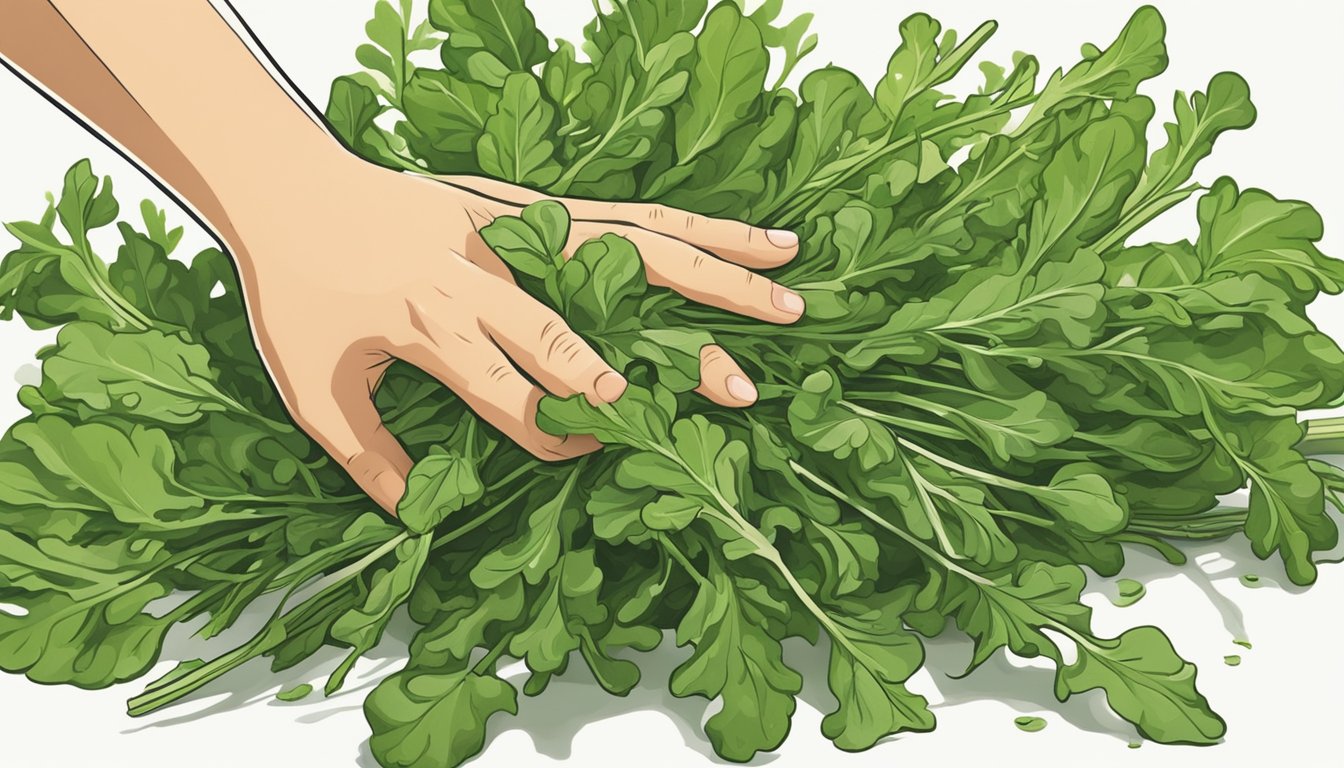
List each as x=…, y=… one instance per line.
x=258, y=192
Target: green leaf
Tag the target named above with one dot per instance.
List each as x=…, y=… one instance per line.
x=821, y=423
x=158, y=286
x=1252, y=232
x=736, y=659
x=297, y=693
x=729, y=73
x=1129, y=592
x=127, y=474
x=536, y=548
x=440, y=484
x=504, y=28
x=147, y=375
x=514, y=146
x=1138, y=54
x=603, y=283
x=393, y=41
x=1200, y=120
x=93, y=641
x=1086, y=186
x=352, y=107
x=362, y=627
x=1029, y=724
x=522, y=246
x=922, y=62
x=434, y=719
x=563, y=615
x=1146, y=683
x=448, y=115
x=670, y=513
x=641, y=418
x=867, y=673
x=85, y=205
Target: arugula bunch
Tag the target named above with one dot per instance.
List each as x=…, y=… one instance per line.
x=993, y=389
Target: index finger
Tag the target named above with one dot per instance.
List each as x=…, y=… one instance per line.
x=735, y=241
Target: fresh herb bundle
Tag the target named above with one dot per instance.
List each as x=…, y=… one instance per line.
x=993, y=387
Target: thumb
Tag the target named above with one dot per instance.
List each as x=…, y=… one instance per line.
x=349, y=428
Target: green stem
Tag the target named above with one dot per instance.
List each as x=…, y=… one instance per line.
x=888, y=526
x=284, y=625
x=1324, y=436
x=727, y=513
x=807, y=196
x=487, y=663
x=682, y=560
x=937, y=430
x=271, y=635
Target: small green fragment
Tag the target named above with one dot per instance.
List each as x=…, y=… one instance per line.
x=1030, y=724
x=1250, y=580
x=1232, y=661
x=1243, y=643
x=1135, y=744
x=1130, y=592
x=297, y=693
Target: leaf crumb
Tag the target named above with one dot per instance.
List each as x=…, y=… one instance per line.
x=297, y=693
x=1129, y=593
x=1030, y=724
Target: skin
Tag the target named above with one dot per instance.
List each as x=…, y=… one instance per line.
x=346, y=266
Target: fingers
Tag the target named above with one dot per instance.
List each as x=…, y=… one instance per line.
x=480, y=374
x=701, y=277
x=722, y=380
x=740, y=243
x=344, y=421
x=543, y=344
x=734, y=241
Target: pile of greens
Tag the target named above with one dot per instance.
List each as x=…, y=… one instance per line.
x=993, y=388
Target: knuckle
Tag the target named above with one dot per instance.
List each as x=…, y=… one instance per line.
x=366, y=467
x=713, y=355
x=499, y=372
x=652, y=212
x=559, y=343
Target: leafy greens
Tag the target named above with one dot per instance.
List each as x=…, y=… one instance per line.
x=993, y=389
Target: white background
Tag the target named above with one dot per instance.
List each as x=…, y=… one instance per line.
x=1280, y=704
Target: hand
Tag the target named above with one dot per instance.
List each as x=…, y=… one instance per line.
x=364, y=266
x=347, y=266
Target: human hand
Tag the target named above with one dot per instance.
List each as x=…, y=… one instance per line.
x=369, y=265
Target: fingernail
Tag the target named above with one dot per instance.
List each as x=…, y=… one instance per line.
x=781, y=238
x=741, y=389
x=787, y=301
x=609, y=387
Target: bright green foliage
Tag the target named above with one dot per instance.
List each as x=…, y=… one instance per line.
x=993, y=389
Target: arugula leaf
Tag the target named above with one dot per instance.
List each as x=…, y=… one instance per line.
x=392, y=41
x=993, y=389
x=428, y=719
x=514, y=145
x=736, y=659
x=146, y=375
x=442, y=483
x=362, y=628
x=129, y=475
x=501, y=30
x=725, y=83
x=351, y=110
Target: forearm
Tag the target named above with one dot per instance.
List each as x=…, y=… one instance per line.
x=195, y=107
